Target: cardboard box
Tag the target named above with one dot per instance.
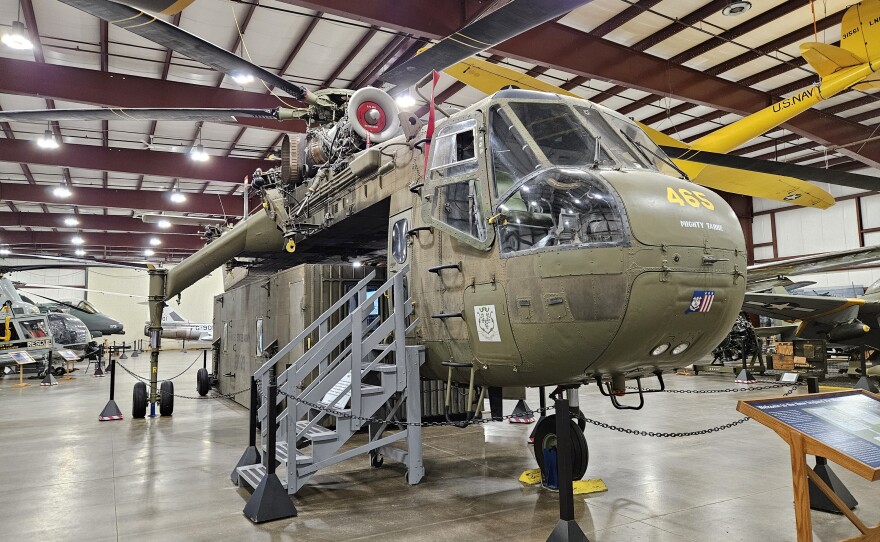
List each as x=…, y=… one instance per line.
x=785, y=348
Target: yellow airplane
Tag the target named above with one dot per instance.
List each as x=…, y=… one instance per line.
x=852, y=65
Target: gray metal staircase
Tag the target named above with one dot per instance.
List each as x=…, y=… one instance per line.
x=358, y=373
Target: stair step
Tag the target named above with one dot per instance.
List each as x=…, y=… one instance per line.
x=251, y=475
x=380, y=367
x=369, y=389
x=315, y=434
x=282, y=455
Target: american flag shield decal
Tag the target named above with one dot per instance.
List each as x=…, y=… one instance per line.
x=701, y=301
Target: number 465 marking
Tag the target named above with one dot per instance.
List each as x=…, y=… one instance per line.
x=694, y=199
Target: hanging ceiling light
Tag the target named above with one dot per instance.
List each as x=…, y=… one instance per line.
x=242, y=78
x=77, y=240
x=155, y=241
x=736, y=7
x=164, y=224
x=177, y=196
x=149, y=252
x=17, y=38
x=48, y=141
x=198, y=153
x=80, y=252
x=61, y=191
x=70, y=221
x=4, y=251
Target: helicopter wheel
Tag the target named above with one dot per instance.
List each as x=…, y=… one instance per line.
x=203, y=382
x=166, y=398
x=139, y=400
x=60, y=371
x=545, y=439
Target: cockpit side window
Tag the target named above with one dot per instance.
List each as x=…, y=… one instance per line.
x=512, y=157
x=453, y=150
x=86, y=307
x=459, y=207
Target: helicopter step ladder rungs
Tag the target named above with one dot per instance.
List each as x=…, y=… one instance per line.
x=385, y=369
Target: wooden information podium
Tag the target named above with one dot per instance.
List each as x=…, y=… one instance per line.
x=841, y=426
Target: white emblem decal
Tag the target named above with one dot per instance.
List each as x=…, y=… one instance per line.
x=487, y=324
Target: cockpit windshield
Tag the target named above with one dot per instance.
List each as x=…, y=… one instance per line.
x=86, y=307
x=873, y=289
x=528, y=135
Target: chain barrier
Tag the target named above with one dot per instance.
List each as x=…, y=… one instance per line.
x=725, y=390
x=335, y=412
x=216, y=394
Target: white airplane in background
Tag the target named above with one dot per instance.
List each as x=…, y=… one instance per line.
x=174, y=326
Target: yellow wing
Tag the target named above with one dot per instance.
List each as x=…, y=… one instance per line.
x=490, y=78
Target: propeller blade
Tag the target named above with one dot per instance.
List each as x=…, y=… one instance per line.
x=807, y=173
x=166, y=7
x=184, y=43
x=502, y=24
x=118, y=113
x=79, y=262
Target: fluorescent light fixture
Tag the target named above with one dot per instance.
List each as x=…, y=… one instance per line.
x=70, y=221
x=242, y=78
x=4, y=252
x=155, y=241
x=405, y=100
x=17, y=38
x=177, y=196
x=77, y=240
x=165, y=224
x=198, y=153
x=149, y=252
x=80, y=252
x=61, y=192
x=47, y=141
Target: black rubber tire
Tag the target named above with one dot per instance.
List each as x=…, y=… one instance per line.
x=203, y=382
x=376, y=460
x=545, y=436
x=139, y=400
x=60, y=371
x=166, y=398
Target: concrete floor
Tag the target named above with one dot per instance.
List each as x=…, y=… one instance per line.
x=66, y=476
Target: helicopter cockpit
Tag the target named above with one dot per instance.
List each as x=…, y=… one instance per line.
x=547, y=159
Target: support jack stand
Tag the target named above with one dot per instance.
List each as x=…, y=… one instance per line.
x=250, y=456
x=745, y=377
x=111, y=409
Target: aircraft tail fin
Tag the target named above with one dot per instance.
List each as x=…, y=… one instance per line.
x=860, y=30
x=172, y=315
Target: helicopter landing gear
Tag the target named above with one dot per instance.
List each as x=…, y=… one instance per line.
x=139, y=400
x=203, y=382
x=546, y=442
x=166, y=398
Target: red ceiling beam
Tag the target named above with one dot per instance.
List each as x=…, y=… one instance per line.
x=561, y=47
x=163, y=164
x=117, y=90
x=141, y=200
x=624, y=17
x=91, y=222
x=91, y=239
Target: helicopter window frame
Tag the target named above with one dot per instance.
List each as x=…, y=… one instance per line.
x=476, y=120
x=449, y=156
x=28, y=328
x=400, y=241
x=474, y=214
x=515, y=129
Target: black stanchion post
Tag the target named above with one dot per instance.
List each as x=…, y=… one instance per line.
x=49, y=380
x=111, y=410
x=566, y=529
x=818, y=499
x=251, y=455
x=270, y=500
x=205, y=359
x=542, y=405
x=744, y=376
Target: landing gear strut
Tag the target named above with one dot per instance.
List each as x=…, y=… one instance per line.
x=546, y=443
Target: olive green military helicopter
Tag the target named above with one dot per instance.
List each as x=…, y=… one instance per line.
x=549, y=240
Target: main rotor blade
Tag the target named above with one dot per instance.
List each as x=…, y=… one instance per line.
x=29, y=286
x=807, y=173
x=167, y=7
x=117, y=113
x=184, y=43
x=80, y=262
x=502, y=24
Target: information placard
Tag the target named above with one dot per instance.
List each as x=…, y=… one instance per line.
x=69, y=355
x=22, y=358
